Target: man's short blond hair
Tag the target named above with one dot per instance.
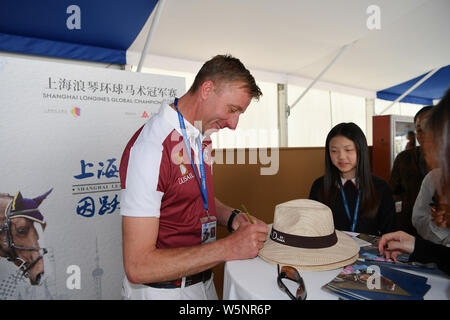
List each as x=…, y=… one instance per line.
x=226, y=69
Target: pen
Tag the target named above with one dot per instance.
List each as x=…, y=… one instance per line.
x=248, y=214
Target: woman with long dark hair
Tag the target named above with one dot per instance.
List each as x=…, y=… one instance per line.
x=360, y=201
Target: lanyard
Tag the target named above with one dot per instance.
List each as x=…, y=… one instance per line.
x=347, y=210
x=200, y=151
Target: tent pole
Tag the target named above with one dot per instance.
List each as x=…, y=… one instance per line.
x=321, y=74
x=150, y=33
x=282, y=115
x=418, y=83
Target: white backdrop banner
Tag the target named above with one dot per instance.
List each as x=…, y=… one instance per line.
x=63, y=128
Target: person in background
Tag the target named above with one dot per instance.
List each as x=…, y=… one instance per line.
x=427, y=205
x=437, y=153
x=407, y=173
x=411, y=140
x=360, y=201
x=168, y=207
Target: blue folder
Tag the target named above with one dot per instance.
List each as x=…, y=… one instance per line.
x=415, y=285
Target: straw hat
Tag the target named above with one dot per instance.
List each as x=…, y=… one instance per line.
x=303, y=236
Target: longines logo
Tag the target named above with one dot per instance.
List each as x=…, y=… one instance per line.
x=274, y=236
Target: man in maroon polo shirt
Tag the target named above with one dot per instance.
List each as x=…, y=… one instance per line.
x=168, y=206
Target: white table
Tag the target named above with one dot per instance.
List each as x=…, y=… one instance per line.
x=256, y=279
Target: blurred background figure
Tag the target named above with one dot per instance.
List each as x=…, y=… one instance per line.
x=407, y=174
x=411, y=140
x=436, y=146
x=427, y=205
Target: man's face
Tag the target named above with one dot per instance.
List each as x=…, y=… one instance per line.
x=430, y=151
x=427, y=144
x=224, y=106
x=419, y=127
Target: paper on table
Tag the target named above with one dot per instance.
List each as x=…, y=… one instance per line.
x=359, y=241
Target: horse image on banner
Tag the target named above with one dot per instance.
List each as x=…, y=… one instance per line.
x=78, y=120
x=18, y=235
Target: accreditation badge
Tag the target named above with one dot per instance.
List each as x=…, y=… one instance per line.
x=209, y=228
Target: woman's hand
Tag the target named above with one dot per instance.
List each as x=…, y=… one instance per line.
x=394, y=243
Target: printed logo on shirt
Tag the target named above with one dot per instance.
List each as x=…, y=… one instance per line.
x=178, y=159
x=185, y=178
x=185, y=174
x=183, y=169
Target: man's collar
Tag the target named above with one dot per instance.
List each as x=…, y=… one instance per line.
x=171, y=115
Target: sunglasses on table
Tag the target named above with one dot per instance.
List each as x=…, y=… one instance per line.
x=292, y=274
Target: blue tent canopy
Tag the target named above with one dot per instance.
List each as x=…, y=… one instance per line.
x=431, y=89
x=107, y=28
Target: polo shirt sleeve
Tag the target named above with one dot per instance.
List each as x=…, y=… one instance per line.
x=140, y=196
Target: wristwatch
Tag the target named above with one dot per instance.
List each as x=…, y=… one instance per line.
x=234, y=213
